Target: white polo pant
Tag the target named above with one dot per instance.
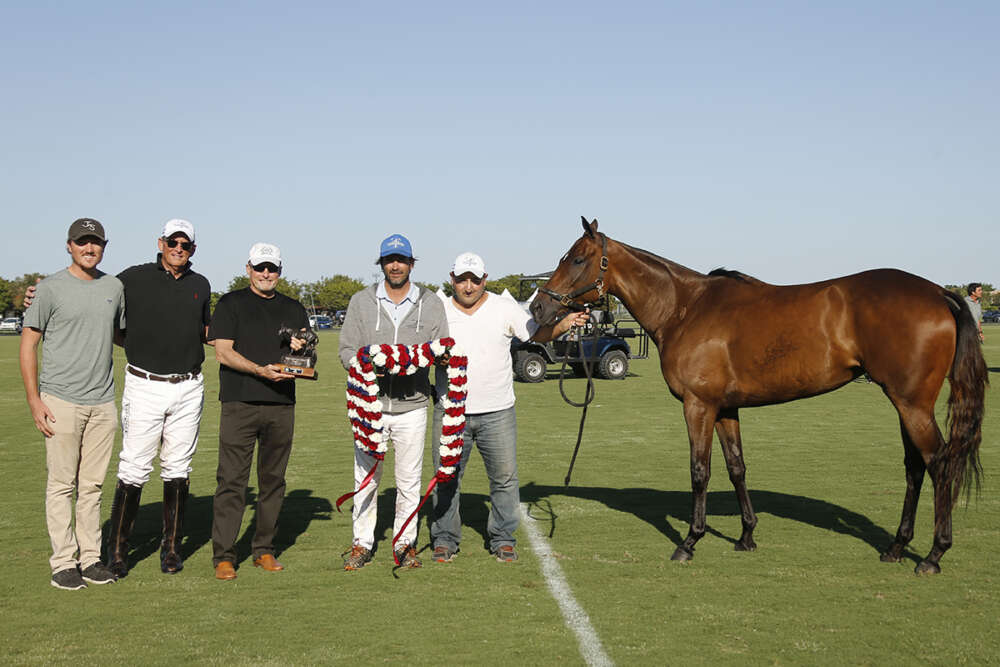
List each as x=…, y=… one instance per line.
x=160, y=416
x=407, y=432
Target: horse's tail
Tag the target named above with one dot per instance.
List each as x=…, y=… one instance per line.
x=966, y=404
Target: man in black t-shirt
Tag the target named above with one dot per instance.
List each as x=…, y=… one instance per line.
x=258, y=407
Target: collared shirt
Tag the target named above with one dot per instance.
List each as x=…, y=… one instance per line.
x=166, y=318
x=397, y=311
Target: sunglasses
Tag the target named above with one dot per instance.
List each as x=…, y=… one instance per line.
x=265, y=266
x=186, y=246
x=87, y=240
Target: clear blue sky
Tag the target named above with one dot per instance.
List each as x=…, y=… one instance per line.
x=792, y=140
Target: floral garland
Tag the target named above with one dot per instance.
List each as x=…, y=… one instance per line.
x=364, y=409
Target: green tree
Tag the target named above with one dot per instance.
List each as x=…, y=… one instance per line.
x=511, y=283
x=334, y=293
x=19, y=285
x=6, y=296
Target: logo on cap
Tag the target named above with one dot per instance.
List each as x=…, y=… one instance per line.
x=395, y=243
x=87, y=224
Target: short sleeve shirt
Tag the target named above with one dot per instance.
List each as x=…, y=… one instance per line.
x=77, y=319
x=485, y=337
x=252, y=323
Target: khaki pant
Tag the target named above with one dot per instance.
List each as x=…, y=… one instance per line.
x=77, y=458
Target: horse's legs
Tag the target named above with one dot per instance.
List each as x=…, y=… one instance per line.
x=728, y=428
x=926, y=437
x=700, y=420
x=915, y=468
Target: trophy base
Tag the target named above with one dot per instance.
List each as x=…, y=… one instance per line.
x=300, y=372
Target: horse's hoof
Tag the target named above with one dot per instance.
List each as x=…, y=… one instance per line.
x=927, y=567
x=740, y=546
x=889, y=557
x=682, y=555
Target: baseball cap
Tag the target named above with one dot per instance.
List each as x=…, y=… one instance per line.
x=265, y=252
x=469, y=262
x=397, y=244
x=178, y=226
x=85, y=227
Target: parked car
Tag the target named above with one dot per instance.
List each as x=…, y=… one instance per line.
x=991, y=316
x=320, y=322
x=11, y=325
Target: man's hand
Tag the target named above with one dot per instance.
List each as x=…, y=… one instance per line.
x=42, y=416
x=271, y=372
x=573, y=319
x=29, y=295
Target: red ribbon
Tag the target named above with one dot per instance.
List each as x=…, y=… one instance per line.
x=367, y=480
x=427, y=494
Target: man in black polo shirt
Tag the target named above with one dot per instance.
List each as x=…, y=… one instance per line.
x=258, y=407
x=167, y=308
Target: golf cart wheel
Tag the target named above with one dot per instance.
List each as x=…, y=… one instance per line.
x=613, y=366
x=530, y=367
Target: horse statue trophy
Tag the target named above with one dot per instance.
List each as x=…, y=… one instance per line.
x=728, y=341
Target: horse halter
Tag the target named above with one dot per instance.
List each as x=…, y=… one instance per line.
x=569, y=300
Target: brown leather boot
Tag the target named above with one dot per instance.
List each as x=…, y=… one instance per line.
x=124, y=507
x=175, y=495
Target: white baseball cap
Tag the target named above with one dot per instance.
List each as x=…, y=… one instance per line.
x=265, y=252
x=469, y=262
x=177, y=225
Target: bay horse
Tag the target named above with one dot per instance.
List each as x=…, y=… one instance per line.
x=729, y=341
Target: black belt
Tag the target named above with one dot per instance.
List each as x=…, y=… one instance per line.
x=172, y=379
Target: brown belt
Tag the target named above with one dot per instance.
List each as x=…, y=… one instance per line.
x=172, y=379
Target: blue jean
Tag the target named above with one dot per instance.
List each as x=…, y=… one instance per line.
x=495, y=435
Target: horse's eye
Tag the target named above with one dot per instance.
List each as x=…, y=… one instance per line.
x=578, y=260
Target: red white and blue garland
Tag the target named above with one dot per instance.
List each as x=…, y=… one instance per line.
x=364, y=409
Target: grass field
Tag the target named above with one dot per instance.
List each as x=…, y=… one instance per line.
x=827, y=482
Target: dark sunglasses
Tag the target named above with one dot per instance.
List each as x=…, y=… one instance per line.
x=186, y=246
x=87, y=240
x=265, y=266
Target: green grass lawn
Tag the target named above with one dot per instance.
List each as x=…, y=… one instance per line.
x=827, y=482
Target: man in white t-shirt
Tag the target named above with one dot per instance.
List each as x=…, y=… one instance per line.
x=483, y=325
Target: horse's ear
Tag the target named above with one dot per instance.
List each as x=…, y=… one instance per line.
x=589, y=228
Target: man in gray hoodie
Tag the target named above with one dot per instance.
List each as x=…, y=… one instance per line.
x=393, y=311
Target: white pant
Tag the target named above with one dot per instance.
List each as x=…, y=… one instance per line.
x=155, y=412
x=407, y=432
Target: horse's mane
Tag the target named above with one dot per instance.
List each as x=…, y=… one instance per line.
x=735, y=275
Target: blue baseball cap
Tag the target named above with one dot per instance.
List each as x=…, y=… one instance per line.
x=397, y=244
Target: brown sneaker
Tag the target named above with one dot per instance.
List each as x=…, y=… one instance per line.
x=505, y=554
x=357, y=558
x=406, y=556
x=443, y=554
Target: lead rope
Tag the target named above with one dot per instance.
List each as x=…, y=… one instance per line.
x=588, y=396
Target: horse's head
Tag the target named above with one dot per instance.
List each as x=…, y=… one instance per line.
x=577, y=281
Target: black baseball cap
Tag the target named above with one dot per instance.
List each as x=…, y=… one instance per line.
x=86, y=227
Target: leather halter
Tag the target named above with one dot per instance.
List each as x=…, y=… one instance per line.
x=569, y=300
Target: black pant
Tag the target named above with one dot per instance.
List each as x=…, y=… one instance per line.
x=241, y=426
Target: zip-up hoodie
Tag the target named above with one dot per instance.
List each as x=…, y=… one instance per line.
x=367, y=323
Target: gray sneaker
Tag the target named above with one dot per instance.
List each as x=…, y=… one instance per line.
x=505, y=554
x=98, y=573
x=357, y=558
x=68, y=580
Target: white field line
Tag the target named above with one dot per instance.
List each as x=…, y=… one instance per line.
x=576, y=618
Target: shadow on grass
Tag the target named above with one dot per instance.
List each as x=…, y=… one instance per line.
x=657, y=508
x=298, y=511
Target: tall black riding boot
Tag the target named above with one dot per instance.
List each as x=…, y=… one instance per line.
x=124, y=507
x=175, y=495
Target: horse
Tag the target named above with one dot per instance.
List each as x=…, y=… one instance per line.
x=728, y=341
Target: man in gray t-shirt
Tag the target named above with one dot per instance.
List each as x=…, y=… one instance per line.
x=975, y=291
x=77, y=312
